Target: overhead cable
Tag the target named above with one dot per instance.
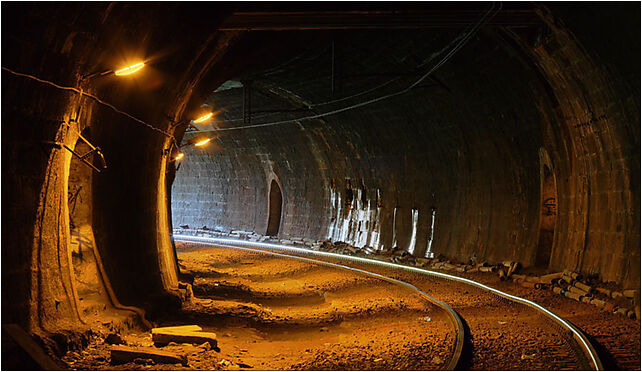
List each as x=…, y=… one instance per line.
x=89, y=95
x=485, y=18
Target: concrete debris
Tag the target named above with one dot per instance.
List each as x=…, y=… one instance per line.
x=577, y=290
x=616, y=294
x=114, y=339
x=513, y=268
x=597, y=302
x=568, y=279
x=126, y=354
x=621, y=311
x=584, y=287
x=586, y=299
x=631, y=293
x=573, y=275
x=550, y=278
x=604, y=291
x=191, y=334
x=568, y=283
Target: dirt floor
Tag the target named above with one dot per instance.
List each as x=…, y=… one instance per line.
x=275, y=313
x=507, y=336
x=272, y=313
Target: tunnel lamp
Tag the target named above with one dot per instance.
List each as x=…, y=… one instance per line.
x=203, y=118
x=120, y=72
x=179, y=156
x=202, y=142
x=129, y=69
x=196, y=141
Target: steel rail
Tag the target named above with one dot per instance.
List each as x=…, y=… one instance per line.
x=586, y=346
x=453, y=317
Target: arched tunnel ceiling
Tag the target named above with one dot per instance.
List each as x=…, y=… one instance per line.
x=467, y=144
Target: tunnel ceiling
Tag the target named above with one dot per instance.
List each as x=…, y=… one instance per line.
x=453, y=166
x=469, y=143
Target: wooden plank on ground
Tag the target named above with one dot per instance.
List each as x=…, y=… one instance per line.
x=161, y=336
x=192, y=327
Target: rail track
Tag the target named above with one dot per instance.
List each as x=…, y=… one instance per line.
x=498, y=330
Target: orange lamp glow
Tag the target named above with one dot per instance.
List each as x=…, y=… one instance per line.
x=179, y=156
x=202, y=142
x=203, y=118
x=129, y=69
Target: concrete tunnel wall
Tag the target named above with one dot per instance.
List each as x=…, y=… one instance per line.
x=189, y=59
x=468, y=145
x=130, y=199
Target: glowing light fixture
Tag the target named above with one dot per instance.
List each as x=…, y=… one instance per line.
x=179, y=156
x=204, y=118
x=129, y=69
x=202, y=142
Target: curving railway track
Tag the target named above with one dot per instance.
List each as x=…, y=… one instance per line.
x=472, y=326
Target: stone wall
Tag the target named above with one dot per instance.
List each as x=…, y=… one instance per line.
x=466, y=144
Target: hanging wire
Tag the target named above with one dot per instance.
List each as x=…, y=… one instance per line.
x=98, y=100
x=457, y=47
x=484, y=19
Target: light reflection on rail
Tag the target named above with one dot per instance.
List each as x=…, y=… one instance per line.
x=578, y=335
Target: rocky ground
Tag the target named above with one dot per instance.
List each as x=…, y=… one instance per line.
x=505, y=335
x=274, y=314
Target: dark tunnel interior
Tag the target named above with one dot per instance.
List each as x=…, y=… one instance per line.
x=496, y=142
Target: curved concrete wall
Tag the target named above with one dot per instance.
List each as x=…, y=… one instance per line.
x=130, y=203
x=467, y=145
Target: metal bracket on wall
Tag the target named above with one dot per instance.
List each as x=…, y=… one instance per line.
x=83, y=158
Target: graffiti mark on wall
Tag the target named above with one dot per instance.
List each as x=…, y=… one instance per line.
x=550, y=207
x=81, y=241
x=591, y=121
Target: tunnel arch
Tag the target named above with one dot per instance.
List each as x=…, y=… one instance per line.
x=471, y=134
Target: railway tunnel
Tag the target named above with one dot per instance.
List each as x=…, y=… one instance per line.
x=321, y=186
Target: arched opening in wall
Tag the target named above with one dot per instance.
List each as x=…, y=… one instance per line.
x=274, y=211
x=90, y=290
x=548, y=211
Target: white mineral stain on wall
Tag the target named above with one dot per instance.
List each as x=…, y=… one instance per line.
x=429, y=253
x=413, y=237
x=394, y=228
x=359, y=227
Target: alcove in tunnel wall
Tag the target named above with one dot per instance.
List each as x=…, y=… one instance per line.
x=466, y=144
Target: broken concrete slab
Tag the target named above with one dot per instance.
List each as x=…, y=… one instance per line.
x=185, y=334
x=192, y=327
x=126, y=354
